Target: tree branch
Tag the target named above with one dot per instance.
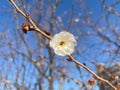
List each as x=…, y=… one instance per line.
x=49, y=37
x=29, y=19
x=90, y=71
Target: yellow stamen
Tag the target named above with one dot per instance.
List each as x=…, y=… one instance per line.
x=62, y=43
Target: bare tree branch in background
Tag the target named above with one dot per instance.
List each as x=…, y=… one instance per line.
x=27, y=61
x=82, y=65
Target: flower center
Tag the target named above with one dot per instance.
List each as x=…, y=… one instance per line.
x=62, y=43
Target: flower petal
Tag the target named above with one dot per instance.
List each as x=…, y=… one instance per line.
x=67, y=48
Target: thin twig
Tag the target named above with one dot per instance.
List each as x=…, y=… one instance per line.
x=90, y=71
x=49, y=37
x=29, y=19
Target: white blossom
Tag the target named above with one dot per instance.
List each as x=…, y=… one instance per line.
x=63, y=43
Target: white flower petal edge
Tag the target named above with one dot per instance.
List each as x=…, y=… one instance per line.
x=63, y=43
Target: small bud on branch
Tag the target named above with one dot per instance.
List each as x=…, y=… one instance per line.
x=92, y=81
x=27, y=27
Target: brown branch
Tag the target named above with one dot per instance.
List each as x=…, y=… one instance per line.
x=29, y=19
x=90, y=71
x=49, y=37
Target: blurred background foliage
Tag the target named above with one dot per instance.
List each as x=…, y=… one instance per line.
x=27, y=62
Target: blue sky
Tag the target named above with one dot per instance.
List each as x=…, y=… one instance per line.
x=88, y=45
x=5, y=17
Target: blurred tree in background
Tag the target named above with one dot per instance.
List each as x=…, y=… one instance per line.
x=28, y=63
